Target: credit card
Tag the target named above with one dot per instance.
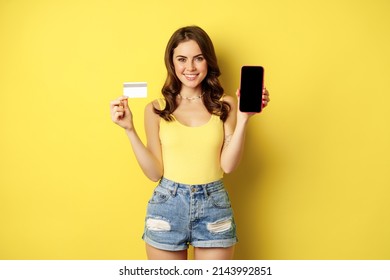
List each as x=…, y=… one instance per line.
x=135, y=89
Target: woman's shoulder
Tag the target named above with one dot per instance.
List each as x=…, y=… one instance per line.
x=229, y=99
x=151, y=107
x=158, y=104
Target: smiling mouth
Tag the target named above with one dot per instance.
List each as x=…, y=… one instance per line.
x=190, y=76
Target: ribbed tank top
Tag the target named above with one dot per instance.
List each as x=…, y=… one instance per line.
x=191, y=155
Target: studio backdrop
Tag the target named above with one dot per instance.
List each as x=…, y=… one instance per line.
x=314, y=181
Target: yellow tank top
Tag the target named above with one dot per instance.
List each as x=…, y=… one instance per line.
x=191, y=155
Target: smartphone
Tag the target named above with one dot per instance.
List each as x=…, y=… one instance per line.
x=251, y=89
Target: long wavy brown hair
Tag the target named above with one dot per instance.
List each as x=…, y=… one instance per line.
x=211, y=86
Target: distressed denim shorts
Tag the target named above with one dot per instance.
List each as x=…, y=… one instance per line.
x=179, y=215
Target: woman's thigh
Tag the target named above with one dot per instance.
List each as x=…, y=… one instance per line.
x=158, y=254
x=213, y=253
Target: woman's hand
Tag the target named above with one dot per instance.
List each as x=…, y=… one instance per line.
x=265, y=98
x=243, y=116
x=121, y=114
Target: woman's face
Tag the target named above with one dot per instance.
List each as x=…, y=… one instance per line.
x=190, y=64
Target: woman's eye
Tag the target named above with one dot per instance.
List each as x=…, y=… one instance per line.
x=181, y=59
x=200, y=58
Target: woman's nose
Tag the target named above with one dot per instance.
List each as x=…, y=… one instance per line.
x=190, y=65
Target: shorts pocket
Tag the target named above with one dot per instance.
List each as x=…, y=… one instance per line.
x=160, y=196
x=220, y=199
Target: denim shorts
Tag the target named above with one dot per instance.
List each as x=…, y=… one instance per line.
x=180, y=215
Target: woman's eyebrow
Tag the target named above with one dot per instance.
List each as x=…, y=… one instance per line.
x=180, y=55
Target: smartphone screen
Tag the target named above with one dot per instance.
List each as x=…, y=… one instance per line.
x=251, y=89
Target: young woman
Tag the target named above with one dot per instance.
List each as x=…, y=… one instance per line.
x=194, y=134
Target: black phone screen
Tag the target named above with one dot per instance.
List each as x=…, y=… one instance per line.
x=251, y=89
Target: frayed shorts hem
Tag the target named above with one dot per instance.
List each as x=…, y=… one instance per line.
x=166, y=247
x=224, y=243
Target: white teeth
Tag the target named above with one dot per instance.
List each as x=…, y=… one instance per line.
x=191, y=77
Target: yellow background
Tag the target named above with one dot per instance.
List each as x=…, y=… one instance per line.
x=314, y=181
